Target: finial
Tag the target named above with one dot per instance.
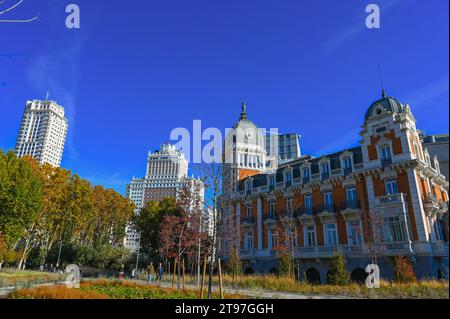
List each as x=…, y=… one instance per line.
x=243, y=111
x=383, y=92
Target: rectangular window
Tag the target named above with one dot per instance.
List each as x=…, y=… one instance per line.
x=272, y=181
x=347, y=163
x=310, y=236
x=248, y=240
x=354, y=232
x=272, y=208
x=391, y=187
x=394, y=229
x=386, y=153
x=288, y=177
x=328, y=196
x=249, y=210
x=325, y=169
x=289, y=208
x=308, y=202
x=331, y=234
x=273, y=239
x=351, y=194
x=305, y=173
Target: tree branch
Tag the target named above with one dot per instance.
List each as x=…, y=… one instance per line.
x=15, y=20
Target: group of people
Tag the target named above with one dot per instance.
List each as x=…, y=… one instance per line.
x=151, y=272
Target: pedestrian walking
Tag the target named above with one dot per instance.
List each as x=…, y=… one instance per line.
x=150, y=272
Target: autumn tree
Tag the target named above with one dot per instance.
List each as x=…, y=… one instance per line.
x=20, y=200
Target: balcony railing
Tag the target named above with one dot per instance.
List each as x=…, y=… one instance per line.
x=353, y=204
x=304, y=210
x=358, y=166
x=246, y=253
x=386, y=162
x=336, y=172
x=394, y=248
x=391, y=199
x=315, y=177
x=325, y=208
x=440, y=248
x=248, y=220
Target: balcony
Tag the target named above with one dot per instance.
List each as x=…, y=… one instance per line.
x=271, y=219
x=439, y=248
x=327, y=214
x=287, y=217
x=336, y=172
x=350, y=204
x=430, y=204
x=315, y=177
x=358, y=167
x=325, y=175
x=351, y=210
x=306, y=216
x=386, y=162
x=391, y=199
x=248, y=221
x=317, y=252
x=392, y=248
x=247, y=253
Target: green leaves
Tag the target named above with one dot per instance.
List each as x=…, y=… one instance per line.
x=40, y=205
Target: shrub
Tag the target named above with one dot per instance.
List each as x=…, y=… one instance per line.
x=404, y=272
x=338, y=274
x=233, y=266
x=285, y=265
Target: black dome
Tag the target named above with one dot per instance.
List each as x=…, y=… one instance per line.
x=388, y=103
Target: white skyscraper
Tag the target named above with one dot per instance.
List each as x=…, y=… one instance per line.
x=166, y=174
x=42, y=132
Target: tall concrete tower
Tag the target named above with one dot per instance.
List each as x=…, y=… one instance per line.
x=42, y=133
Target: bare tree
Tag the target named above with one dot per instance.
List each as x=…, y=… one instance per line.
x=211, y=175
x=11, y=7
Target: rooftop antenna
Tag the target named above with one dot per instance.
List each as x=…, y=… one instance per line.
x=383, y=92
x=47, y=95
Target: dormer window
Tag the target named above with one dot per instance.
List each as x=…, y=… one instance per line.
x=305, y=174
x=325, y=170
x=347, y=163
x=288, y=178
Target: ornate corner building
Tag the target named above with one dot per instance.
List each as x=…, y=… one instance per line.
x=384, y=198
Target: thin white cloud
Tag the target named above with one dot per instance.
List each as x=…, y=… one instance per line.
x=344, y=141
x=356, y=29
x=57, y=72
x=428, y=94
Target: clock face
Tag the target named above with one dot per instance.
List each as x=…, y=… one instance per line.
x=249, y=134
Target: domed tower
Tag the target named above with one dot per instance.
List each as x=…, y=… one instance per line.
x=244, y=152
x=392, y=154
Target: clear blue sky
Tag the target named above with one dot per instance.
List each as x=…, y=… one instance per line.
x=137, y=69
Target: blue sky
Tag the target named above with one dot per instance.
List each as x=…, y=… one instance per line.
x=136, y=70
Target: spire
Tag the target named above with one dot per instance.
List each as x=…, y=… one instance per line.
x=243, y=111
x=383, y=91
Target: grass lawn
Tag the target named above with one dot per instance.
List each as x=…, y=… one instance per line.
x=109, y=289
x=420, y=289
x=21, y=278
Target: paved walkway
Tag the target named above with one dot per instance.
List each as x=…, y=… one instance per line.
x=257, y=294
